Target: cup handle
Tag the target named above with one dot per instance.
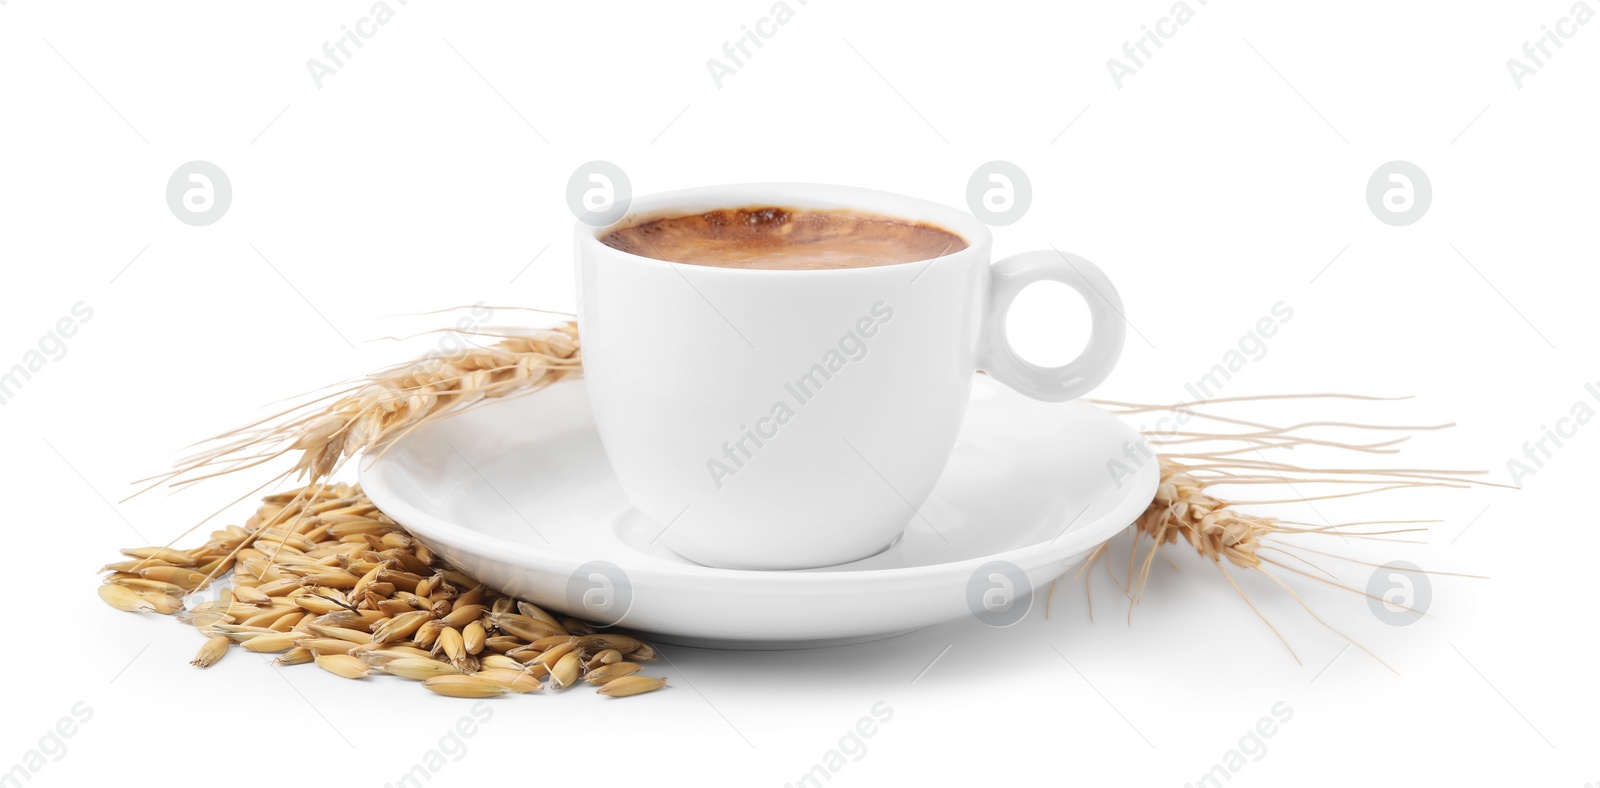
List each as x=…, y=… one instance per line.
x=1108, y=328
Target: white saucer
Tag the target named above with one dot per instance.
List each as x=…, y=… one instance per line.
x=518, y=493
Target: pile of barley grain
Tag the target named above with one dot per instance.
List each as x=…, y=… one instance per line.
x=321, y=576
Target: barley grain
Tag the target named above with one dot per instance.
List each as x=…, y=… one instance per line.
x=464, y=687
x=352, y=635
x=343, y=665
x=556, y=652
x=621, y=643
x=607, y=657
x=576, y=627
x=533, y=611
x=141, y=584
x=274, y=642
x=166, y=554
x=401, y=626
x=472, y=638
x=615, y=670
x=499, y=662
x=176, y=575
x=325, y=646
x=213, y=650
x=452, y=644
x=631, y=685
x=419, y=669
x=295, y=656
x=565, y=671
x=517, y=681
x=161, y=603
x=462, y=615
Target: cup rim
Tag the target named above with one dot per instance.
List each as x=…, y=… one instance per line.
x=798, y=195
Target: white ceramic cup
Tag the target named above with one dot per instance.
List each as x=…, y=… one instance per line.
x=786, y=419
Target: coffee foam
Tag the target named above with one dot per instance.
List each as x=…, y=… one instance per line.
x=771, y=238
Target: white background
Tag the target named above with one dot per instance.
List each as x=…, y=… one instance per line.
x=1221, y=178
